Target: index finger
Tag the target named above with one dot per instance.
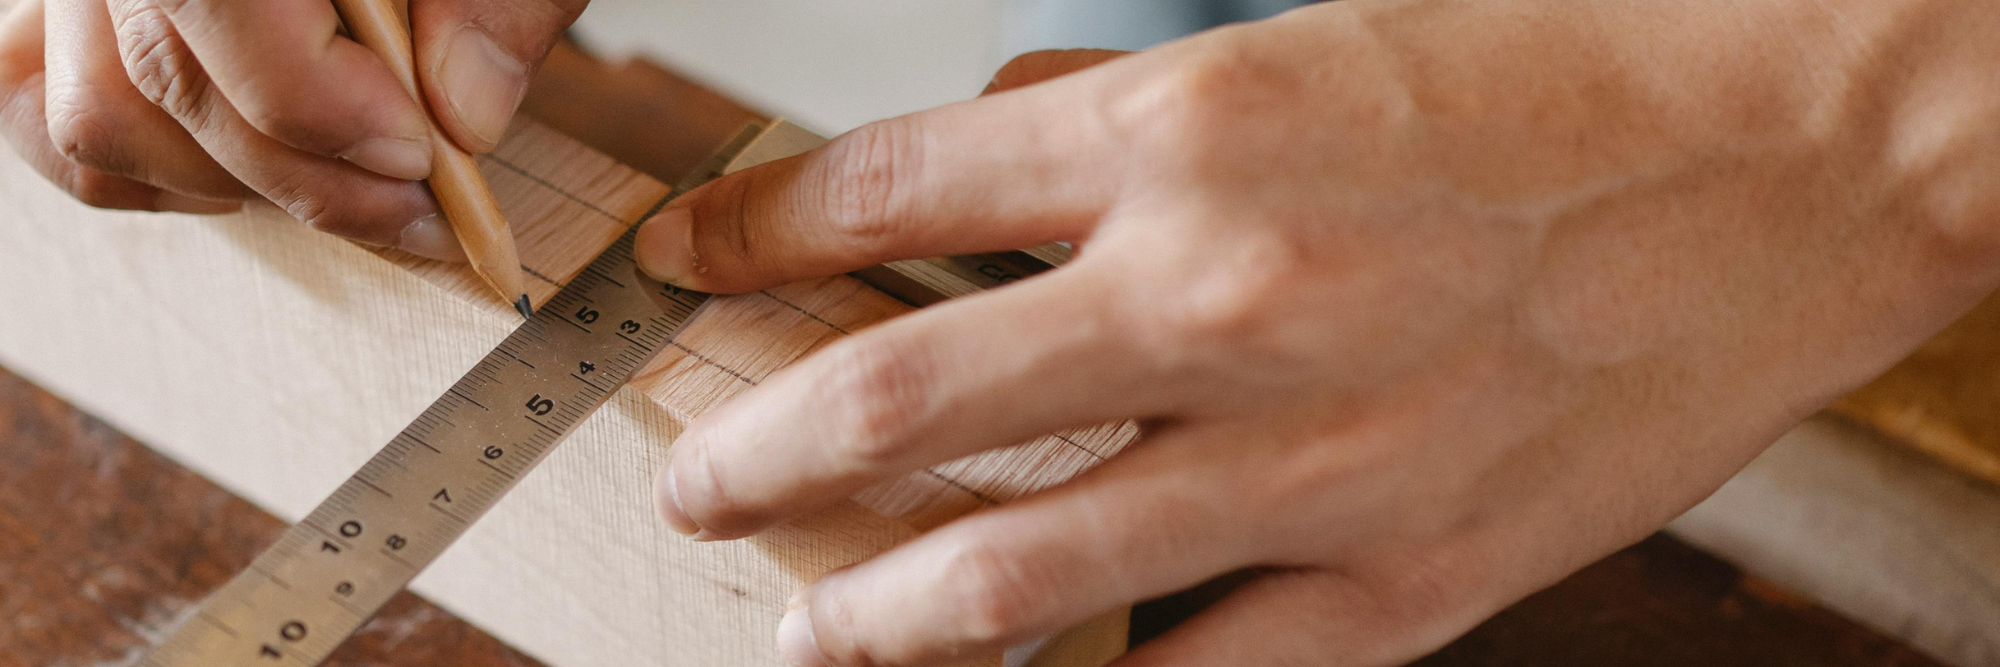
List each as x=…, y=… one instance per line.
x=1008, y=171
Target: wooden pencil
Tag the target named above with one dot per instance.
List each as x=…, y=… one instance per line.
x=455, y=179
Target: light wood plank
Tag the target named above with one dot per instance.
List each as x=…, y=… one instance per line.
x=274, y=360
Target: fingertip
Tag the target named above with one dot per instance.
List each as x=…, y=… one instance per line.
x=667, y=502
x=664, y=247
x=796, y=642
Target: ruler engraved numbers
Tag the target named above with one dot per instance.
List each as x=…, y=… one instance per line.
x=400, y=511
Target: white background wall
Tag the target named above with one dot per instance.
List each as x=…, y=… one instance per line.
x=828, y=64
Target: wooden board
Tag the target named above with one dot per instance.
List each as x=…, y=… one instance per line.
x=273, y=360
x=1945, y=399
x=103, y=545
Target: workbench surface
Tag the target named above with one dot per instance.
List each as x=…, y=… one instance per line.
x=104, y=545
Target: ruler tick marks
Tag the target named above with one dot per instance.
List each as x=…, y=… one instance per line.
x=426, y=445
x=605, y=278
x=496, y=469
x=204, y=615
x=349, y=606
x=538, y=422
x=462, y=395
x=391, y=555
x=446, y=512
x=318, y=555
x=271, y=576
x=377, y=489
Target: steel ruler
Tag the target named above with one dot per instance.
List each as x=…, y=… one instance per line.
x=329, y=573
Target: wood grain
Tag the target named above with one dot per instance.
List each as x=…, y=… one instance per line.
x=288, y=356
x=1944, y=400
x=462, y=193
x=1664, y=604
x=105, y=544
x=273, y=360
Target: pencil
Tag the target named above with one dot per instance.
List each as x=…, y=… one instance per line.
x=455, y=179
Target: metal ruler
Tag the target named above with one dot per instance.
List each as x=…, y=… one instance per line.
x=327, y=575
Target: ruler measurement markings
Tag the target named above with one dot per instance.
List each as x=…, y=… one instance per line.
x=455, y=391
x=603, y=277
x=401, y=450
x=271, y=576
x=377, y=488
x=268, y=611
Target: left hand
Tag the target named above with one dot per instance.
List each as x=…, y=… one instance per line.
x=198, y=105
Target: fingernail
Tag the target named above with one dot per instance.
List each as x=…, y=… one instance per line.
x=431, y=236
x=665, y=246
x=394, y=157
x=796, y=643
x=482, y=83
x=180, y=203
x=670, y=507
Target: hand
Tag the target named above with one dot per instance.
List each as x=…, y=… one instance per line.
x=196, y=105
x=1422, y=305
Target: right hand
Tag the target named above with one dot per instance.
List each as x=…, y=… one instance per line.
x=198, y=105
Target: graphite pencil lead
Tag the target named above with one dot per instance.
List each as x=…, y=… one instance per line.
x=521, y=304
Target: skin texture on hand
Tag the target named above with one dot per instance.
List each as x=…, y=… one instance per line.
x=1422, y=305
x=197, y=105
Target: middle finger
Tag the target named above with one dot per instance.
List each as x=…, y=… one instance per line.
x=988, y=371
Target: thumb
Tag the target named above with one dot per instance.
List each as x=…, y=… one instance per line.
x=474, y=59
x=1035, y=67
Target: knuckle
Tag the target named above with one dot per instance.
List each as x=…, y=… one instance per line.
x=282, y=113
x=838, y=629
x=159, y=64
x=1185, y=103
x=298, y=198
x=90, y=132
x=995, y=592
x=880, y=393
x=867, y=187
x=1232, y=302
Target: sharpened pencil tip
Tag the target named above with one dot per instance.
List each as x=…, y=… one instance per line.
x=527, y=311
